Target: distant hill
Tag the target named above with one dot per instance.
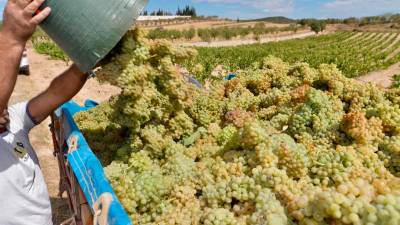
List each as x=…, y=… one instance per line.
x=275, y=19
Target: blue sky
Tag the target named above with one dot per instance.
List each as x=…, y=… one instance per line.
x=2, y=4
x=245, y=9
x=290, y=8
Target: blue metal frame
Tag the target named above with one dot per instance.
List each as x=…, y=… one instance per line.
x=86, y=166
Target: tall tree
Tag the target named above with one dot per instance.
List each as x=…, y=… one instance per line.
x=318, y=26
x=179, y=12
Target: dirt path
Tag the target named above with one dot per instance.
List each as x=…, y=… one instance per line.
x=43, y=71
x=250, y=41
x=382, y=78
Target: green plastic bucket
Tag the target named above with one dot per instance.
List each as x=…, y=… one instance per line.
x=87, y=30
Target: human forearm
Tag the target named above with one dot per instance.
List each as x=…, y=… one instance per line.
x=62, y=89
x=10, y=51
x=67, y=85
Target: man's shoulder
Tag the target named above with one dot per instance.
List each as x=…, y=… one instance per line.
x=18, y=105
x=20, y=119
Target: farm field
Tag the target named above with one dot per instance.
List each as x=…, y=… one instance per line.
x=212, y=34
x=354, y=53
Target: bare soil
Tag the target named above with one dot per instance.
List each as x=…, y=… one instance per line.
x=43, y=71
x=382, y=78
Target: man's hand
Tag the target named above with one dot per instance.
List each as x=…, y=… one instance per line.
x=20, y=20
x=4, y=119
x=18, y=25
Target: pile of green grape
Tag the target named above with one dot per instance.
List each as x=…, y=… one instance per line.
x=279, y=144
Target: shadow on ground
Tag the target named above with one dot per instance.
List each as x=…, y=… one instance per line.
x=60, y=210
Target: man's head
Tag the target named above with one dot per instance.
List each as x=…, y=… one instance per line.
x=4, y=120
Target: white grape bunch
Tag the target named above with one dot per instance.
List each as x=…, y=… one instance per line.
x=279, y=144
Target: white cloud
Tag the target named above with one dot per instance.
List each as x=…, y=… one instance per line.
x=362, y=3
x=360, y=7
x=283, y=7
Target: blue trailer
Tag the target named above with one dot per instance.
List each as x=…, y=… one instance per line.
x=91, y=197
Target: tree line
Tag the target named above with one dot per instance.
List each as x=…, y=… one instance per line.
x=369, y=20
x=320, y=25
x=186, y=11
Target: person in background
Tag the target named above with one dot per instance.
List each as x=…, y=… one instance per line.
x=24, y=65
x=24, y=198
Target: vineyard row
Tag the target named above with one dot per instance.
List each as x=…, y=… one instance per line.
x=354, y=53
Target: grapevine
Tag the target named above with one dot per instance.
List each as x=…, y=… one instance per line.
x=354, y=53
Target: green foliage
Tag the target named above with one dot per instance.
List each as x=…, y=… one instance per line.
x=189, y=34
x=204, y=34
x=51, y=49
x=224, y=33
x=357, y=56
x=318, y=26
x=159, y=12
x=363, y=21
x=186, y=11
x=44, y=45
x=396, y=81
x=279, y=144
x=160, y=33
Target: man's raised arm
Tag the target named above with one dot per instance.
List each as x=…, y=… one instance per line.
x=61, y=90
x=19, y=23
